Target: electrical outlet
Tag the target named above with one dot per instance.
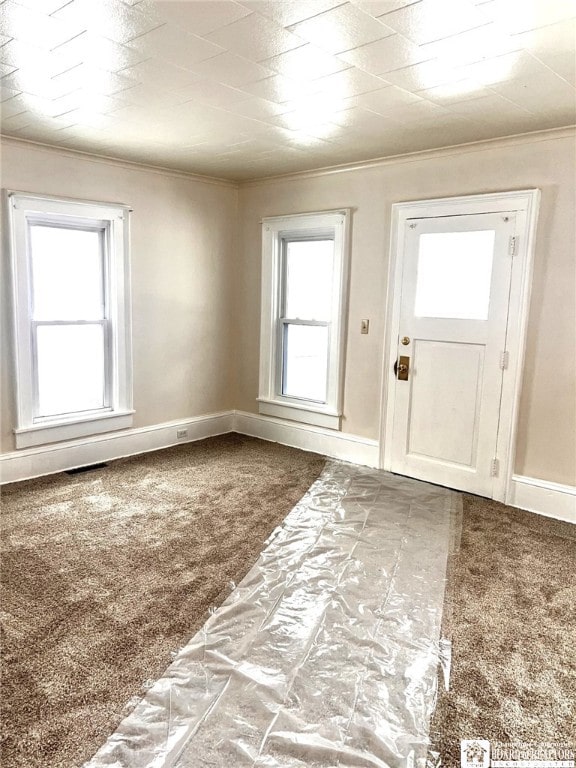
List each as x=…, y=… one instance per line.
x=181, y=433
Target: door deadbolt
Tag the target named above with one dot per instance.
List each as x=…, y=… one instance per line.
x=402, y=368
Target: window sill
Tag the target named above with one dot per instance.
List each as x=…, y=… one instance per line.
x=41, y=434
x=302, y=413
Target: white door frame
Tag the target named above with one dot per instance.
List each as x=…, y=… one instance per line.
x=525, y=204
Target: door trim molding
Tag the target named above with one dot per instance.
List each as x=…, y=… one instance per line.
x=524, y=203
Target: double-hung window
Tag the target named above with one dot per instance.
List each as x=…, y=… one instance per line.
x=304, y=292
x=71, y=318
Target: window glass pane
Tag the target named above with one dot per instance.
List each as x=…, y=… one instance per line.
x=309, y=265
x=454, y=274
x=70, y=368
x=305, y=362
x=66, y=273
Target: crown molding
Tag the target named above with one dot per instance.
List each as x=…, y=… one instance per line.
x=549, y=134
x=117, y=162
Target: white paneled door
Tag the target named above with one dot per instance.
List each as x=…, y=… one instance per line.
x=451, y=348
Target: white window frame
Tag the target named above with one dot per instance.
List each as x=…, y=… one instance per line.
x=276, y=231
x=23, y=210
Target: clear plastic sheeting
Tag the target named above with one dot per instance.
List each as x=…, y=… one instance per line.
x=326, y=655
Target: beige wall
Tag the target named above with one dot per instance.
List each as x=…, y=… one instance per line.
x=196, y=279
x=182, y=235
x=547, y=443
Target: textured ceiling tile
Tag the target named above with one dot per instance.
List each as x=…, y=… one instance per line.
x=33, y=27
x=540, y=93
x=454, y=92
x=109, y=18
x=305, y=63
x=7, y=93
x=33, y=82
x=387, y=100
x=356, y=117
x=87, y=118
x=279, y=89
x=92, y=78
x=6, y=69
x=256, y=38
x=135, y=113
x=485, y=107
x=532, y=14
x=43, y=6
x=386, y=55
x=201, y=16
x=555, y=46
x=160, y=74
x=473, y=45
x=416, y=113
x=44, y=112
x=211, y=93
x=14, y=106
x=341, y=29
x=548, y=41
x=88, y=48
x=312, y=110
x=176, y=46
x=150, y=96
x=39, y=106
x=15, y=122
x=84, y=133
x=380, y=7
x=499, y=69
x=295, y=121
x=86, y=100
x=229, y=69
x=229, y=116
x=257, y=108
x=349, y=82
x=287, y=12
x=425, y=75
x=432, y=20
x=564, y=65
x=30, y=57
x=39, y=132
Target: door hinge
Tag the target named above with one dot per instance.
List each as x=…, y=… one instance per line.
x=495, y=468
x=504, y=357
x=512, y=244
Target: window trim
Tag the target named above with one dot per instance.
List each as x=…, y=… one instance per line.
x=25, y=209
x=276, y=231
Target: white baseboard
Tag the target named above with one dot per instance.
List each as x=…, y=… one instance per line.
x=44, y=460
x=548, y=499
x=338, y=445
x=545, y=498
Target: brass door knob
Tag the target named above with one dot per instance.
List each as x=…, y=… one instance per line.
x=405, y=340
x=401, y=368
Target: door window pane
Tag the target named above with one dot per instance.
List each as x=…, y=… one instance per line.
x=309, y=268
x=454, y=274
x=66, y=273
x=70, y=368
x=305, y=362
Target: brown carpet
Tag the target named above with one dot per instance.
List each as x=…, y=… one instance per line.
x=106, y=573
x=511, y=611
